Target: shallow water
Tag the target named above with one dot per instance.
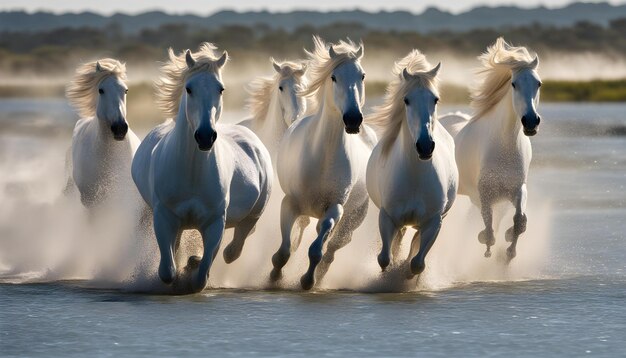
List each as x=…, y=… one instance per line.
x=562, y=296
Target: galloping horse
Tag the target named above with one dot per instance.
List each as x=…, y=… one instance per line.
x=411, y=176
x=493, y=151
x=322, y=160
x=102, y=144
x=196, y=173
x=276, y=103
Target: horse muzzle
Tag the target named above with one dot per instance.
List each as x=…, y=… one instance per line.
x=531, y=124
x=425, y=150
x=352, y=120
x=205, y=139
x=119, y=130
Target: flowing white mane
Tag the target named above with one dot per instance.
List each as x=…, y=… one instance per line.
x=261, y=89
x=388, y=117
x=499, y=62
x=321, y=65
x=169, y=86
x=82, y=92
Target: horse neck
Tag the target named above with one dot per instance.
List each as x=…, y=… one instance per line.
x=503, y=122
x=183, y=136
x=329, y=128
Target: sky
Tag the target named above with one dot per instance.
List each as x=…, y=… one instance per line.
x=207, y=7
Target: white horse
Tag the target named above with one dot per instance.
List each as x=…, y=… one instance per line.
x=276, y=103
x=322, y=160
x=102, y=144
x=411, y=176
x=493, y=150
x=197, y=174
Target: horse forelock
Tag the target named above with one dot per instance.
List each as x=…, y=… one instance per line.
x=499, y=62
x=174, y=73
x=81, y=91
x=389, y=116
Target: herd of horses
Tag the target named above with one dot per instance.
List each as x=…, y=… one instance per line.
x=196, y=173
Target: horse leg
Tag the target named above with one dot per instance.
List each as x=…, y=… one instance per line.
x=486, y=236
x=211, y=238
x=388, y=231
x=327, y=224
x=167, y=229
x=341, y=236
x=288, y=216
x=519, y=221
x=242, y=231
x=428, y=233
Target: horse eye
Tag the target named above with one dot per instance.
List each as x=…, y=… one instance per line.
x=513, y=84
x=406, y=101
x=333, y=78
x=280, y=88
x=101, y=91
x=363, y=77
x=188, y=90
x=436, y=100
x=539, y=84
x=126, y=91
x=221, y=90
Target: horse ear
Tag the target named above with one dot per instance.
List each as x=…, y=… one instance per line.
x=276, y=66
x=435, y=70
x=190, y=61
x=98, y=67
x=359, y=52
x=405, y=74
x=331, y=52
x=302, y=69
x=535, y=62
x=222, y=60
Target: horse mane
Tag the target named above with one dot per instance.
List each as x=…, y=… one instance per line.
x=169, y=87
x=81, y=91
x=499, y=63
x=389, y=116
x=321, y=65
x=261, y=89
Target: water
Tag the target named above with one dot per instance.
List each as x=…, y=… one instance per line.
x=562, y=296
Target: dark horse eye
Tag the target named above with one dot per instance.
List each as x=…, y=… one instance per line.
x=363, y=77
x=221, y=90
x=126, y=91
x=406, y=101
x=513, y=84
x=333, y=78
x=436, y=100
x=188, y=90
x=101, y=91
x=280, y=88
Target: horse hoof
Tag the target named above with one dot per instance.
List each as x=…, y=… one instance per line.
x=417, y=267
x=198, y=283
x=383, y=261
x=276, y=275
x=167, y=274
x=193, y=262
x=306, y=282
x=230, y=254
x=511, y=253
x=509, y=236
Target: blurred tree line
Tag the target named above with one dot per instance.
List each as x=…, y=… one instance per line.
x=61, y=49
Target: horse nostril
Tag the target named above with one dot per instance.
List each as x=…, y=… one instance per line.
x=196, y=136
x=538, y=120
x=214, y=137
x=524, y=121
x=432, y=146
